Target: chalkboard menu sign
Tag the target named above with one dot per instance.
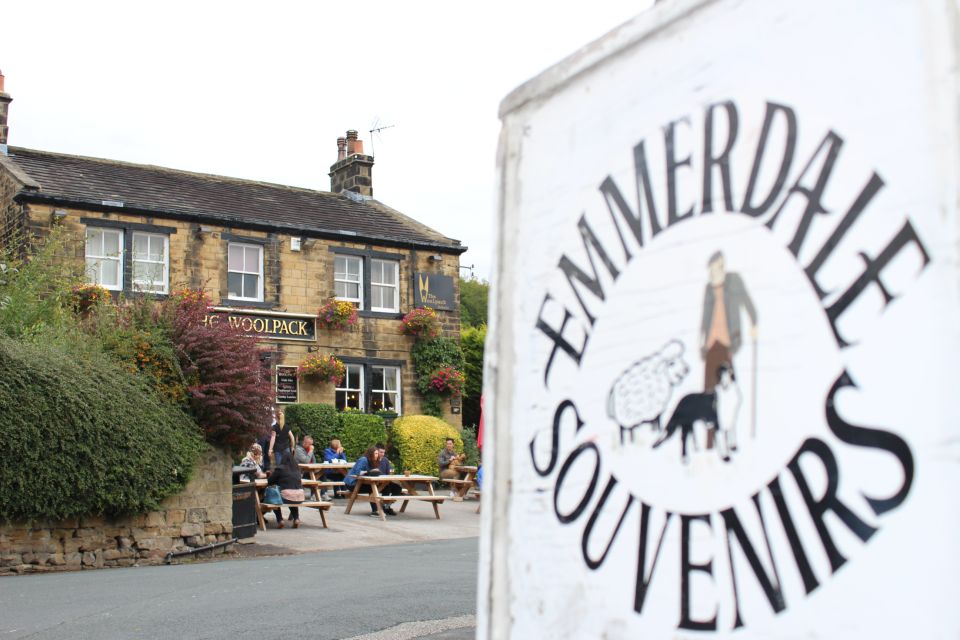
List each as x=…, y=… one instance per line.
x=287, y=387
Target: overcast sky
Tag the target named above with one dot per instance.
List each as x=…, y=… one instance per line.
x=263, y=90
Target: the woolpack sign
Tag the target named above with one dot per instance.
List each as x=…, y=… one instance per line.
x=726, y=330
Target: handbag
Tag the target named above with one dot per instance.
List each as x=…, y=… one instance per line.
x=272, y=495
x=293, y=495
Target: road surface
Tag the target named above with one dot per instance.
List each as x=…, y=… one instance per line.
x=331, y=595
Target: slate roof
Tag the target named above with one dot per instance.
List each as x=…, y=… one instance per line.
x=158, y=191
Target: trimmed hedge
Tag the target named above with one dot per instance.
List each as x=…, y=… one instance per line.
x=317, y=420
x=82, y=437
x=419, y=440
x=469, y=435
x=360, y=430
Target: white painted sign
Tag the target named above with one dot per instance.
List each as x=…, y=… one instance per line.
x=726, y=326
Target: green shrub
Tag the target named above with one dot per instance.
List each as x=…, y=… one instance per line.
x=419, y=440
x=469, y=435
x=36, y=291
x=472, y=340
x=317, y=420
x=359, y=431
x=430, y=355
x=84, y=437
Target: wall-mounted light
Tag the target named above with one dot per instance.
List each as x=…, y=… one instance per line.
x=295, y=243
x=435, y=258
x=204, y=229
x=58, y=215
x=313, y=349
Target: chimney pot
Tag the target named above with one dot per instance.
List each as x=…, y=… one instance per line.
x=1, y=81
x=341, y=148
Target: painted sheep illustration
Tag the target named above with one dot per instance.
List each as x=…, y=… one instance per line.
x=640, y=394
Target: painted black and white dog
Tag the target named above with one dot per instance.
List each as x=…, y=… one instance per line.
x=703, y=407
x=692, y=408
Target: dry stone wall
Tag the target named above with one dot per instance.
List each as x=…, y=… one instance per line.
x=202, y=514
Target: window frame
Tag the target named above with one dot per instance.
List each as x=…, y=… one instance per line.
x=165, y=261
x=366, y=257
x=361, y=404
x=385, y=391
x=395, y=286
x=360, y=282
x=118, y=259
x=366, y=365
x=245, y=246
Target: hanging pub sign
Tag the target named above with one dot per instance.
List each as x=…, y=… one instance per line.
x=268, y=324
x=288, y=386
x=433, y=290
x=727, y=310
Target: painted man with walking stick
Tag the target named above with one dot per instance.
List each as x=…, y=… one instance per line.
x=720, y=334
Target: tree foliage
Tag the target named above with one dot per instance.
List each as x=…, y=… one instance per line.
x=472, y=341
x=229, y=386
x=473, y=302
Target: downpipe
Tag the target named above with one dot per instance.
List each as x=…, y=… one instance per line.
x=189, y=552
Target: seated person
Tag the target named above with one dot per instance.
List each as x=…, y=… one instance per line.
x=334, y=452
x=371, y=461
x=385, y=467
x=479, y=477
x=304, y=452
x=253, y=460
x=286, y=475
x=449, y=458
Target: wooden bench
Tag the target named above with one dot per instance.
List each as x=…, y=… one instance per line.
x=458, y=486
x=314, y=504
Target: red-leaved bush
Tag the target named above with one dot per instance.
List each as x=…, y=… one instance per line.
x=230, y=388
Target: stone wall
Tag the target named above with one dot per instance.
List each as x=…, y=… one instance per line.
x=202, y=514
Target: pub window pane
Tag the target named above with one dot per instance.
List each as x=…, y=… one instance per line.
x=141, y=246
x=235, y=285
x=235, y=260
x=383, y=285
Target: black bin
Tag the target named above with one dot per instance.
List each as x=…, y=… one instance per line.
x=244, y=505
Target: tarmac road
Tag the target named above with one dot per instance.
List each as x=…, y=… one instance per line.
x=333, y=595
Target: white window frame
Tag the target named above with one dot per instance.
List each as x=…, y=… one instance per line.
x=359, y=282
x=358, y=390
x=94, y=277
x=148, y=286
x=397, y=393
x=245, y=246
x=395, y=285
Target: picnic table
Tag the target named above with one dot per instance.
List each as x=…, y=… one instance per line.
x=263, y=507
x=407, y=482
x=317, y=470
x=460, y=486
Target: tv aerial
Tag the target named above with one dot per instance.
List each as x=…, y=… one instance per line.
x=376, y=128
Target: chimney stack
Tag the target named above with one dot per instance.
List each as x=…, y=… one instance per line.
x=353, y=171
x=5, y=101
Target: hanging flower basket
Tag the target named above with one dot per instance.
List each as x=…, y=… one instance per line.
x=447, y=381
x=421, y=323
x=88, y=296
x=336, y=314
x=322, y=369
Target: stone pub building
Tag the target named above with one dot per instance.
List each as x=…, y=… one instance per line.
x=268, y=255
